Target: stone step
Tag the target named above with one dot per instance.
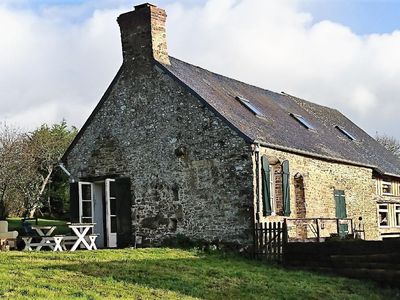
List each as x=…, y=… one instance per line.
x=393, y=258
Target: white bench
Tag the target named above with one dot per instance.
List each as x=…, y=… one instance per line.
x=63, y=241
x=45, y=241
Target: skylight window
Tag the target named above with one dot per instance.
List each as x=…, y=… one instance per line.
x=250, y=106
x=303, y=121
x=345, y=132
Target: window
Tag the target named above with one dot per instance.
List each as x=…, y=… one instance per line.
x=275, y=187
x=383, y=215
x=345, y=132
x=397, y=214
x=250, y=106
x=272, y=189
x=387, y=188
x=303, y=121
x=86, y=202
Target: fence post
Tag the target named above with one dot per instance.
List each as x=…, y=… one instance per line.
x=338, y=226
x=279, y=241
x=317, y=225
x=285, y=235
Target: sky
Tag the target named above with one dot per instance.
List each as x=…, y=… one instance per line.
x=57, y=57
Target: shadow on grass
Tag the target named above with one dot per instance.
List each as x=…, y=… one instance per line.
x=215, y=278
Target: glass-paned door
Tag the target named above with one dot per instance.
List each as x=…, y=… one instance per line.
x=86, y=203
x=111, y=213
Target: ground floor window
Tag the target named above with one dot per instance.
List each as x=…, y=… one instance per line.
x=383, y=212
x=397, y=214
x=389, y=214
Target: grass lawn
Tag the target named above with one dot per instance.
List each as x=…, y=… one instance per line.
x=165, y=274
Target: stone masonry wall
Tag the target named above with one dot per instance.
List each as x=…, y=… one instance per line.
x=321, y=178
x=191, y=174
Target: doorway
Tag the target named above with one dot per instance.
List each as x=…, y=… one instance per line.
x=97, y=204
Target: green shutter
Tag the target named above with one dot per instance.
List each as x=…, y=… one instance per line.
x=340, y=201
x=286, y=188
x=266, y=186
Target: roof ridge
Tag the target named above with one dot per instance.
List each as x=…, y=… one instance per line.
x=227, y=77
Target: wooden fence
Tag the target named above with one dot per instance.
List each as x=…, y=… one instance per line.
x=269, y=240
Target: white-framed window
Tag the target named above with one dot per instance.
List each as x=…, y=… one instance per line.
x=383, y=212
x=86, y=203
x=397, y=214
x=387, y=188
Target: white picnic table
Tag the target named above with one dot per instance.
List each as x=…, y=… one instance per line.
x=81, y=231
x=57, y=242
x=44, y=232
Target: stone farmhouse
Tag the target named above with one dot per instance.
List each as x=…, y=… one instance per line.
x=173, y=149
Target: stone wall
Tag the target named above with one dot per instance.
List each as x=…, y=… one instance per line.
x=321, y=178
x=191, y=174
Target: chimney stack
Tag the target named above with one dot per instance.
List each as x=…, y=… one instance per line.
x=143, y=35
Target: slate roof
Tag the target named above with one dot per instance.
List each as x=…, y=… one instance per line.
x=279, y=129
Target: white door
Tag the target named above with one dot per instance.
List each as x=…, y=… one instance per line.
x=111, y=213
x=86, y=203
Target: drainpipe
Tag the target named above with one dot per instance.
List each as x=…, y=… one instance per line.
x=258, y=172
x=62, y=167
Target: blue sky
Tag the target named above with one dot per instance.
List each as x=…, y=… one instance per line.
x=58, y=56
x=362, y=16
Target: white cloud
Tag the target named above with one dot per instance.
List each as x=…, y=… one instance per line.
x=274, y=45
x=55, y=64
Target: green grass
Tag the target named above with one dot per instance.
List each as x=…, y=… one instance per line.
x=16, y=224
x=165, y=274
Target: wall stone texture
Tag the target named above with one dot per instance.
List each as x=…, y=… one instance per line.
x=320, y=179
x=191, y=174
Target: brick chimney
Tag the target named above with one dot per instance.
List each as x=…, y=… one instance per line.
x=143, y=35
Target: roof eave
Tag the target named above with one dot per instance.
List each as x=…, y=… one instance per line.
x=323, y=157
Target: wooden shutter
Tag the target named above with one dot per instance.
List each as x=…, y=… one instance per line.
x=124, y=209
x=340, y=201
x=74, y=202
x=266, y=190
x=286, y=188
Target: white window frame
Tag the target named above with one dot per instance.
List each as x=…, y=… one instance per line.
x=111, y=236
x=81, y=200
x=386, y=210
x=391, y=188
x=396, y=218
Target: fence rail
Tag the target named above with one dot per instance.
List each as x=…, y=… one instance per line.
x=320, y=228
x=269, y=240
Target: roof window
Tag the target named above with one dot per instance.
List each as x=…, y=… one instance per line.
x=303, y=121
x=345, y=132
x=250, y=106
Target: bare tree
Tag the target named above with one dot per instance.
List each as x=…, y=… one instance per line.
x=390, y=143
x=11, y=149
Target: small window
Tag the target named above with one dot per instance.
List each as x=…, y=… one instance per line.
x=250, y=106
x=387, y=188
x=303, y=121
x=383, y=215
x=397, y=214
x=346, y=133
